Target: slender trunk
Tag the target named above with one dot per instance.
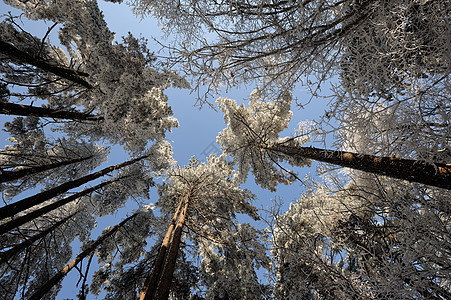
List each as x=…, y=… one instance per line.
x=14, y=208
x=164, y=284
x=16, y=222
x=17, y=174
x=63, y=272
x=151, y=281
x=21, y=56
x=6, y=255
x=438, y=175
x=7, y=108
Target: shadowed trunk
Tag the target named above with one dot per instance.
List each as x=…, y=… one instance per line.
x=150, y=284
x=17, y=174
x=438, y=175
x=63, y=272
x=23, y=57
x=7, y=108
x=4, y=256
x=16, y=222
x=14, y=208
x=164, y=284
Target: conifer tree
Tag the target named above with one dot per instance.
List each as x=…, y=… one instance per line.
x=251, y=138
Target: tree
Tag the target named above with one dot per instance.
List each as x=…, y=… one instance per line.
x=208, y=201
x=4, y=256
x=380, y=233
x=127, y=91
x=88, y=251
x=102, y=199
x=276, y=42
x=363, y=239
x=251, y=138
x=22, y=205
x=22, y=110
x=34, y=159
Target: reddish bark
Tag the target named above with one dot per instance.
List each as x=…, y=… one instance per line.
x=164, y=284
x=438, y=175
x=150, y=284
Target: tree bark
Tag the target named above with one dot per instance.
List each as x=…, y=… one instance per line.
x=17, y=174
x=14, y=208
x=438, y=175
x=63, y=272
x=23, y=57
x=164, y=284
x=150, y=284
x=4, y=256
x=7, y=108
x=16, y=222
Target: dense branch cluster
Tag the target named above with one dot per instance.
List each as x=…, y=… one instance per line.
x=372, y=224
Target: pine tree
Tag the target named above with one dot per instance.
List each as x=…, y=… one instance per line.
x=251, y=138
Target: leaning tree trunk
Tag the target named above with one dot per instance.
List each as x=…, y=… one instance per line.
x=150, y=284
x=63, y=272
x=164, y=284
x=6, y=255
x=18, y=55
x=17, y=174
x=14, y=208
x=437, y=174
x=16, y=222
x=7, y=108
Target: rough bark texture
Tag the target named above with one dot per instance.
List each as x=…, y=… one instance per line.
x=4, y=256
x=438, y=175
x=4, y=228
x=164, y=284
x=16, y=54
x=150, y=284
x=14, y=208
x=55, y=279
x=7, y=108
x=17, y=174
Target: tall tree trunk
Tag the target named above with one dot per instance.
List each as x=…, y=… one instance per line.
x=16, y=222
x=17, y=174
x=150, y=284
x=4, y=256
x=63, y=272
x=7, y=108
x=23, y=57
x=438, y=175
x=14, y=208
x=164, y=284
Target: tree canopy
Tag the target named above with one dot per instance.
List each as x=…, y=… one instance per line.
x=371, y=222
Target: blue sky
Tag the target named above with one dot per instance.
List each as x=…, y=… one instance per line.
x=198, y=129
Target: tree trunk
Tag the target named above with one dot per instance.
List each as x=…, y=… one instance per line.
x=7, y=108
x=150, y=284
x=4, y=256
x=16, y=222
x=14, y=208
x=164, y=284
x=17, y=174
x=63, y=272
x=23, y=57
x=438, y=175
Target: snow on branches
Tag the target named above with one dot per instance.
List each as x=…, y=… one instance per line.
x=123, y=86
x=251, y=130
